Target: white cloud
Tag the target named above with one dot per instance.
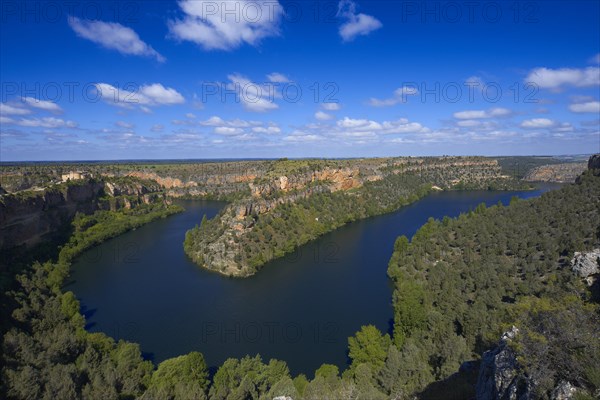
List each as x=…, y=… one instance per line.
x=214, y=121
x=546, y=78
x=470, y=114
x=479, y=114
x=563, y=127
x=124, y=125
x=236, y=123
x=300, y=137
x=226, y=25
x=238, y=128
x=197, y=104
x=182, y=138
x=276, y=77
x=146, y=95
x=7, y=109
x=595, y=59
x=47, y=122
x=331, y=106
x=226, y=130
x=254, y=97
x=42, y=104
x=270, y=129
x=401, y=125
x=406, y=91
x=190, y=115
x=356, y=24
x=114, y=36
x=358, y=124
x=323, y=116
x=467, y=123
x=157, y=128
x=587, y=107
x=474, y=81
x=536, y=123
x=400, y=96
x=382, y=102
x=499, y=112
x=6, y=120
x=158, y=94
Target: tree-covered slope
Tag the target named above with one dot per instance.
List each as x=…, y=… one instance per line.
x=459, y=282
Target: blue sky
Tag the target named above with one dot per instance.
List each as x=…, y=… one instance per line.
x=228, y=79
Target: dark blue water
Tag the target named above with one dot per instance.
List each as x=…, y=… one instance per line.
x=301, y=309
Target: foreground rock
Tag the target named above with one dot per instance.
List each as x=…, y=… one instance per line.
x=586, y=264
x=502, y=378
x=594, y=162
x=499, y=376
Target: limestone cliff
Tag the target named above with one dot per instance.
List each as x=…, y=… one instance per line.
x=560, y=173
x=499, y=374
x=29, y=218
x=594, y=164
x=501, y=377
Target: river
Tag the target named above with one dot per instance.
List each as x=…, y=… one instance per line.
x=301, y=309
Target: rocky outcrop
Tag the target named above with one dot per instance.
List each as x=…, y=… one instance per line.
x=207, y=180
x=29, y=218
x=166, y=182
x=594, y=164
x=132, y=188
x=564, y=391
x=499, y=374
x=587, y=265
x=501, y=377
x=333, y=178
x=560, y=173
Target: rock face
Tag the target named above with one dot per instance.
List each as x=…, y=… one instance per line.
x=560, y=173
x=27, y=219
x=499, y=377
x=586, y=264
x=564, y=391
x=333, y=179
x=594, y=164
x=221, y=180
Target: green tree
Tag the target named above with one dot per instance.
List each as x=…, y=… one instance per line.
x=300, y=383
x=369, y=346
x=181, y=377
x=389, y=375
x=410, y=312
x=327, y=371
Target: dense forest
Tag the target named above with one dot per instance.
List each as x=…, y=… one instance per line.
x=459, y=283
